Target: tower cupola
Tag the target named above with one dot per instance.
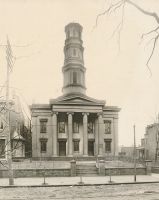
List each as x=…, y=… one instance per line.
x=73, y=69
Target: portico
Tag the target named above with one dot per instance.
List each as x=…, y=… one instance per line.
x=77, y=132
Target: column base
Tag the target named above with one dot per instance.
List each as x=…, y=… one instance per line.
x=55, y=156
x=99, y=157
x=69, y=156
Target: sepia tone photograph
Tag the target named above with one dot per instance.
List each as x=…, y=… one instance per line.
x=79, y=99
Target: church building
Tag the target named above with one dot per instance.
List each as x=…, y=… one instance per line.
x=74, y=124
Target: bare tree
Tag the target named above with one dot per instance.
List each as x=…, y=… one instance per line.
x=16, y=140
x=120, y=6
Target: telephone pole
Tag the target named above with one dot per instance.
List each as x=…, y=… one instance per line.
x=157, y=138
x=9, y=150
x=134, y=155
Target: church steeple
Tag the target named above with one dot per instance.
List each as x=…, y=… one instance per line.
x=73, y=69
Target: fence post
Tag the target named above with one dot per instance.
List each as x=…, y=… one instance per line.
x=101, y=167
x=148, y=164
x=73, y=168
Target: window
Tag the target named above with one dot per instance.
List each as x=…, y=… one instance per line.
x=61, y=127
x=76, y=145
x=43, y=145
x=2, y=148
x=74, y=77
x=1, y=125
x=90, y=127
x=68, y=34
x=79, y=34
x=43, y=125
x=107, y=146
x=74, y=33
x=107, y=125
x=75, y=127
x=74, y=52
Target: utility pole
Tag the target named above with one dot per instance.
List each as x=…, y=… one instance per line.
x=157, y=138
x=134, y=155
x=9, y=150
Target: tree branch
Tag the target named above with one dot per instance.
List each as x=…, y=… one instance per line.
x=153, y=49
x=152, y=14
x=120, y=4
x=152, y=31
x=110, y=8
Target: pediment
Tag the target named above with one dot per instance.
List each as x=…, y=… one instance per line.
x=77, y=99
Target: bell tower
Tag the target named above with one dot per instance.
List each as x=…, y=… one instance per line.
x=73, y=69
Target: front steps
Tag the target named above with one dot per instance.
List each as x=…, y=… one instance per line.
x=86, y=169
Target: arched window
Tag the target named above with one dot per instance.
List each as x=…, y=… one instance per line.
x=74, y=77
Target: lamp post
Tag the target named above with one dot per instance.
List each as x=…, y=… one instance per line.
x=44, y=170
x=110, y=178
x=44, y=183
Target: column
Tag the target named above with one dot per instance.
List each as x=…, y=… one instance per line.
x=115, y=135
x=85, y=134
x=35, y=137
x=100, y=134
x=54, y=124
x=96, y=137
x=70, y=152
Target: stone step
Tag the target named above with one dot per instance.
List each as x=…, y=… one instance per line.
x=86, y=171
x=86, y=166
x=87, y=175
x=89, y=168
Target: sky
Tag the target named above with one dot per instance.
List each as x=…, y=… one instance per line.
x=35, y=29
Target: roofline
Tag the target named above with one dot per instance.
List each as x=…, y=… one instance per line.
x=40, y=106
x=112, y=108
x=73, y=95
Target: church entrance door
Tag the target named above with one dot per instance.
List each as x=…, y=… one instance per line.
x=91, y=148
x=62, y=148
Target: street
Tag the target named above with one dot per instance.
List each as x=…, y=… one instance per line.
x=115, y=192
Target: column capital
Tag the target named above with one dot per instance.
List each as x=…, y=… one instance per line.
x=99, y=114
x=70, y=113
x=35, y=115
x=54, y=113
x=85, y=113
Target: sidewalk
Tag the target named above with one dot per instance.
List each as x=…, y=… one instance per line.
x=70, y=181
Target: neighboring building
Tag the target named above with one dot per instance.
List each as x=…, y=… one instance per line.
x=17, y=125
x=127, y=151
x=150, y=143
x=74, y=124
x=141, y=150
